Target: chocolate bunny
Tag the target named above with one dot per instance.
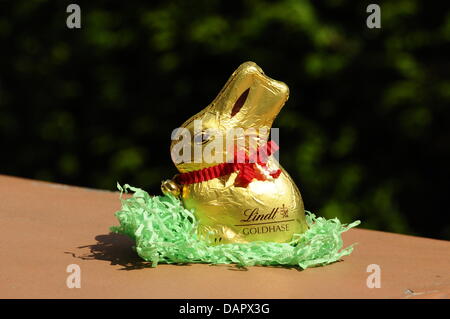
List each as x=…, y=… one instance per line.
x=239, y=201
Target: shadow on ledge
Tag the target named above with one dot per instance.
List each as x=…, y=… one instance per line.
x=117, y=249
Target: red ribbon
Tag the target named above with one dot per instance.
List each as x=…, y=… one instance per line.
x=247, y=170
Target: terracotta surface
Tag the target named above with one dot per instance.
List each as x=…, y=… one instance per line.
x=46, y=227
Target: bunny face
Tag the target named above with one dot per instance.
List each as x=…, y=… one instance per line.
x=249, y=101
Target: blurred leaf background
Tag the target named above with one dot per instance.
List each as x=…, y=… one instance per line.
x=365, y=133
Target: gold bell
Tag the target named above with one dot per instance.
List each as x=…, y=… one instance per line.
x=170, y=187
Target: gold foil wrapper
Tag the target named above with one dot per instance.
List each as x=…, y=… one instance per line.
x=267, y=210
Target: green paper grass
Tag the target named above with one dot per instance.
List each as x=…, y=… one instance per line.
x=165, y=232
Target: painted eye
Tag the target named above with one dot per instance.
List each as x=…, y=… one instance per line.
x=202, y=137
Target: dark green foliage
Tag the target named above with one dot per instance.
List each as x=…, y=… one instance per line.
x=365, y=133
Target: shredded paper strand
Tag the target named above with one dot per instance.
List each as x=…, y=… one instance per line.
x=166, y=232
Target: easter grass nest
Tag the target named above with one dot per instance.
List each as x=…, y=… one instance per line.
x=166, y=232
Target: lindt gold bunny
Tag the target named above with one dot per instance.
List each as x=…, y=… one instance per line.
x=243, y=194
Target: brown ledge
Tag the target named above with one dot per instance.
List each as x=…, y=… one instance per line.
x=45, y=227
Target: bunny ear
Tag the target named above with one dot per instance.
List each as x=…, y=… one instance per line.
x=240, y=102
x=234, y=102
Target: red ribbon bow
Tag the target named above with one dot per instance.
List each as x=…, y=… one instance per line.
x=247, y=170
